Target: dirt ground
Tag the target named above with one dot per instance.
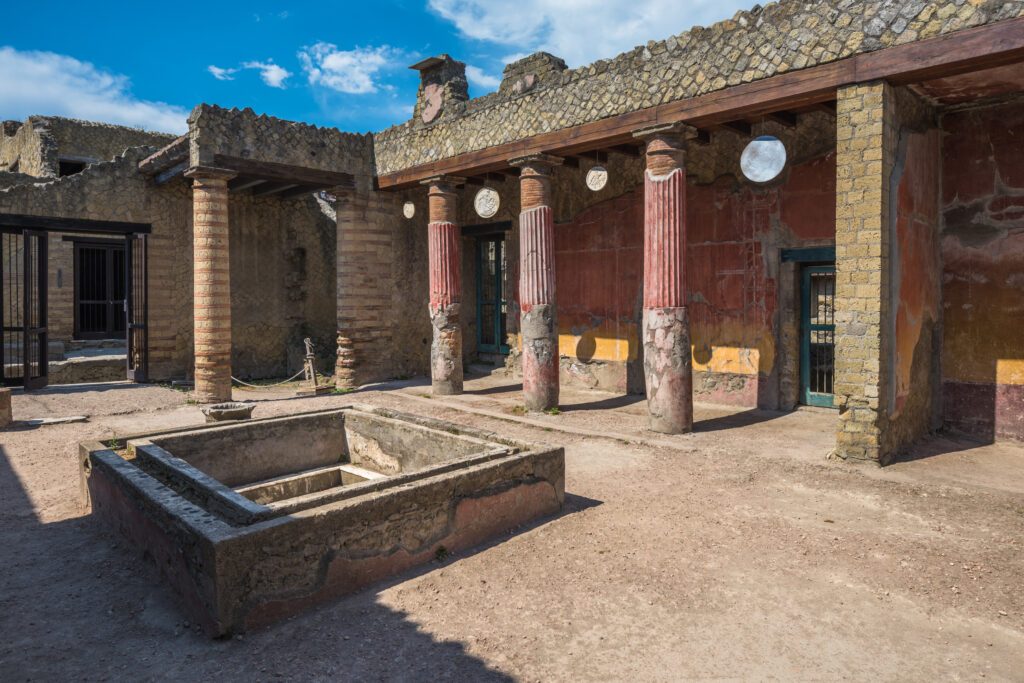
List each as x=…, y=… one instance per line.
x=738, y=551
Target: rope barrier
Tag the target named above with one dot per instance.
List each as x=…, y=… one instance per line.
x=268, y=386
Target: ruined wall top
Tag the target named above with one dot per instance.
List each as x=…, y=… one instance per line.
x=37, y=146
x=538, y=95
x=241, y=133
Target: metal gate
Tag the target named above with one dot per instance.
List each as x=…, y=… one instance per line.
x=818, y=335
x=100, y=286
x=136, y=306
x=491, y=305
x=23, y=274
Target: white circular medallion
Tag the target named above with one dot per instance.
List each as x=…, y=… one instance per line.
x=763, y=159
x=486, y=202
x=408, y=209
x=597, y=178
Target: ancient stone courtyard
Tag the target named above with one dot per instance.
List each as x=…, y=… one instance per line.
x=737, y=551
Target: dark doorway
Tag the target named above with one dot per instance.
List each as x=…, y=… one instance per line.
x=100, y=281
x=491, y=306
x=23, y=272
x=817, y=335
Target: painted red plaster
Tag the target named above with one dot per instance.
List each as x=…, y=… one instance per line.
x=983, y=270
x=916, y=281
x=732, y=297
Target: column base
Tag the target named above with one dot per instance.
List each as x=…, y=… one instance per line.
x=668, y=369
x=540, y=357
x=446, y=351
x=345, y=364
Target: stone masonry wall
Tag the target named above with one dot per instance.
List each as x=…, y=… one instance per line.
x=38, y=144
x=242, y=133
x=755, y=44
x=872, y=372
x=281, y=254
x=865, y=137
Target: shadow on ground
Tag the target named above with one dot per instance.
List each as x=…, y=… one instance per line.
x=78, y=598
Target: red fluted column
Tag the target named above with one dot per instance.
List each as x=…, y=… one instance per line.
x=668, y=360
x=211, y=279
x=538, y=321
x=444, y=246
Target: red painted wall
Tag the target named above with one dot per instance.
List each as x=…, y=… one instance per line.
x=983, y=270
x=731, y=230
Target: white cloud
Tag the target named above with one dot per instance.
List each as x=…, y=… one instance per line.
x=354, y=72
x=47, y=83
x=272, y=74
x=580, y=31
x=483, y=80
x=221, y=74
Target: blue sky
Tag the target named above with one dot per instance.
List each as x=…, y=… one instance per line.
x=343, y=65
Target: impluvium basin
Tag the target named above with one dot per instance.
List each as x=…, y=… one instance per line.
x=253, y=521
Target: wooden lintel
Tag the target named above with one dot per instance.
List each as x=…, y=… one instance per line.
x=968, y=50
x=85, y=225
x=298, y=191
x=171, y=173
x=785, y=118
x=272, y=188
x=284, y=173
x=166, y=157
x=239, y=184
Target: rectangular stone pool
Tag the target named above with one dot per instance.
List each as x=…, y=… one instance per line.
x=255, y=520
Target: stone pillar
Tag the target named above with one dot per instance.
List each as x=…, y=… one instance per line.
x=865, y=151
x=444, y=241
x=538, y=321
x=6, y=414
x=211, y=277
x=668, y=359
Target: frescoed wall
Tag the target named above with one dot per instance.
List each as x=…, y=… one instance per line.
x=983, y=270
x=915, y=286
x=734, y=233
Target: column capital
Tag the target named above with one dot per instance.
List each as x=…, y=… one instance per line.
x=678, y=129
x=448, y=182
x=536, y=161
x=210, y=173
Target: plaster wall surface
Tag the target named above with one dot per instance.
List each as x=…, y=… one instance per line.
x=983, y=270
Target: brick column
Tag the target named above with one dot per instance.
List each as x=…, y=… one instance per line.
x=866, y=139
x=211, y=278
x=668, y=359
x=538, y=321
x=444, y=241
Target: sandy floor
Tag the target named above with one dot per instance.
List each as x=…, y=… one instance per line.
x=738, y=551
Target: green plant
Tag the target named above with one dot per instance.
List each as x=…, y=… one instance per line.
x=518, y=410
x=441, y=554
x=553, y=411
x=115, y=444
x=343, y=390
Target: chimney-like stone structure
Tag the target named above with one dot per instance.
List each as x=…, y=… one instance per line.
x=443, y=91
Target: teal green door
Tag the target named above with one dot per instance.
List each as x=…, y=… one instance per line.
x=817, y=335
x=490, y=295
